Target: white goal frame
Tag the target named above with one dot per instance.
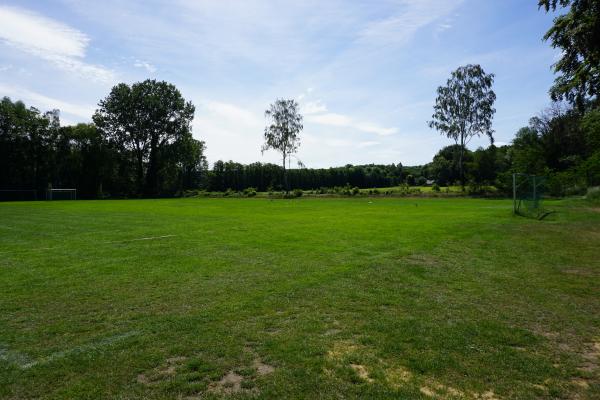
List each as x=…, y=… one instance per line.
x=72, y=193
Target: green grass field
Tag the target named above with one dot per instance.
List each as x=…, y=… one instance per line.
x=309, y=298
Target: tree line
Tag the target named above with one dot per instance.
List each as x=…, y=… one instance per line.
x=140, y=143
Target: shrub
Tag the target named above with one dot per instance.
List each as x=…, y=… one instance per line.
x=593, y=194
x=250, y=192
x=421, y=181
x=566, y=183
x=435, y=187
x=297, y=192
x=355, y=191
x=591, y=169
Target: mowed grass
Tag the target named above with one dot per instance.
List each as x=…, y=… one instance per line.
x=309, y=298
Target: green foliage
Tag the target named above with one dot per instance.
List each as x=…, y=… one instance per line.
x=590, y=125
x=283, y=132
x=151, y=121
x=435, y=187
x=593, y=194
x=464, y=108
x=590, y=169
x=268, y=177
x=577, y=34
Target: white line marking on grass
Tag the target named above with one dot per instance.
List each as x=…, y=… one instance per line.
x=144, y=238
x=60, y=247
x=24, y=362
x=14, y=357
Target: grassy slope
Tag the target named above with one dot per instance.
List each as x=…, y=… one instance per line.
x=375, y=298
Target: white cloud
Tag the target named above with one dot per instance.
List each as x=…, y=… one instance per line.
x=50, y=40
x=367, y=144
x=145, y=65
x=413, y=15
x=313, y=107
x=45, y=103
x=331, y=119
x=231, y=112
x=340, y=120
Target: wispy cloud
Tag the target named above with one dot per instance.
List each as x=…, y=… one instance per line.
x=345, y=121
x=313, y=107
x=367, y=144
x=45, y=103
x=145, y=65
x=316, y=112
x=50, y=40
x=411, y=16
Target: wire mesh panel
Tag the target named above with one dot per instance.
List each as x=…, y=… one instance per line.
x=528, y=194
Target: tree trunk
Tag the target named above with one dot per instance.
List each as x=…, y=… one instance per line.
x=460, y=162
x=285, y=182
x=152, y=173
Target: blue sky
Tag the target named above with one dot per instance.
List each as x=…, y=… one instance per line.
x=364, y=72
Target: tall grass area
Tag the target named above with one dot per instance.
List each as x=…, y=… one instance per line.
x=326, y=298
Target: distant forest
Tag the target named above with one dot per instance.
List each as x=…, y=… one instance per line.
x=561, y=143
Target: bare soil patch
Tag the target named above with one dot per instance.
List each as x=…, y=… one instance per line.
x=229, y=384
x=362, y=372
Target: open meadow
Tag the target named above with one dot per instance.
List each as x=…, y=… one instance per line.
x=308, y=298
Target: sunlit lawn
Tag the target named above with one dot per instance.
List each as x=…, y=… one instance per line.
x=308, y=298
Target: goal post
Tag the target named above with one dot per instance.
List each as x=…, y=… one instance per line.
x=528, y=191
x=61, y=194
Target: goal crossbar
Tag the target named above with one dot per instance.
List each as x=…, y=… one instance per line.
x=63, y=194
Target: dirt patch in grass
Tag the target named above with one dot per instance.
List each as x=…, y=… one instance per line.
x=442, y=391
x=398, y=377
x=229, y=384
x=243, y=382
x=589, y=355
x=580, y=382
x=589, y=366
x=262, y=368
x=488, y=395
x=342, y=348
x=372, y=369
x=143, y=379
x=162, y=372
x=362, y=372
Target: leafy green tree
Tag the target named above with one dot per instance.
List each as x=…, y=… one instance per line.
x=144, y=119
x=590, y=125
x=528, y=152
x=483, y=169
x=283, y=132
x=464, y=108
x=27, y=140
x=577, y=35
